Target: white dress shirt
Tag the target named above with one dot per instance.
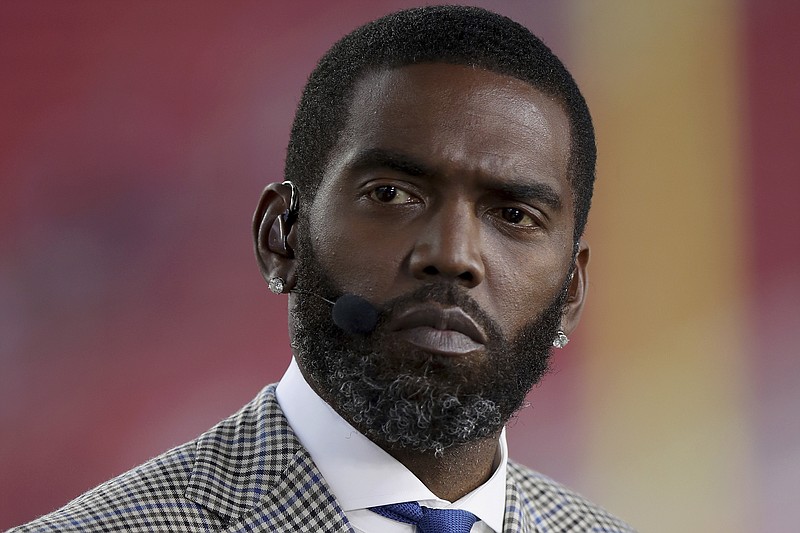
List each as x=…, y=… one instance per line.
x=362, y=475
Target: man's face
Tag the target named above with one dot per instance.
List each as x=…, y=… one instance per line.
x=446, y=203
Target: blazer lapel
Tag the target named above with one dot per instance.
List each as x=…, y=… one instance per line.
x=251, y=470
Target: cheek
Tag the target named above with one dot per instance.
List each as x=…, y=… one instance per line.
x=359, y=260
x=519, y=286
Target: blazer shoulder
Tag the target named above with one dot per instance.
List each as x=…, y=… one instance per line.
x=160, y=495
x=560, y=508
x=146, y=498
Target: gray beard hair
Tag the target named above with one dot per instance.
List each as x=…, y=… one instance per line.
x=407, y=398
x=409, y=412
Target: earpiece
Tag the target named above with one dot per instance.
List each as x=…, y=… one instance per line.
x=294, y=202
x=279, y=232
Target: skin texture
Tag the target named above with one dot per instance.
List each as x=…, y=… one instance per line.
x=444, y=174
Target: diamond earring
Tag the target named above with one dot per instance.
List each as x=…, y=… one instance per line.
x=276, y=285
x=561, y=339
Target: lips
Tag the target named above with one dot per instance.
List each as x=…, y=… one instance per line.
x=443, y=330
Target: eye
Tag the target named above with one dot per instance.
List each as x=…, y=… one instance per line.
x=389, y=194
x=517, y=217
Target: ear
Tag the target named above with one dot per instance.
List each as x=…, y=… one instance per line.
x=578, y=286
x=274, y=233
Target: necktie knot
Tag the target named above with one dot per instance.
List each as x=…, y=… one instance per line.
x=428, y=520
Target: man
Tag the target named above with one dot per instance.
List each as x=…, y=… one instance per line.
x=438, y=180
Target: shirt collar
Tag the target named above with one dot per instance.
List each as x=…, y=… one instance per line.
x=339, y=450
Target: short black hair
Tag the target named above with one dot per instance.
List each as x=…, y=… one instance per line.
x=459, y=35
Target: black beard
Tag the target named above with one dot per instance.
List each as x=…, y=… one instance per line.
x=402, y=397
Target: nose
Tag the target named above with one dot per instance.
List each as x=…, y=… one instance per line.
x=449, y=247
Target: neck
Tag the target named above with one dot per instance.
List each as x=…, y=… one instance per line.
x=455, y=473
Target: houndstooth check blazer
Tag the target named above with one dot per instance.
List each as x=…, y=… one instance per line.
x=250, y=473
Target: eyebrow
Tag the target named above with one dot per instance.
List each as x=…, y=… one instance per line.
x=516, y=190
x=529, y=192
x=381, y=158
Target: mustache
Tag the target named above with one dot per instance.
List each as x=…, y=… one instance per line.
x=443, y=294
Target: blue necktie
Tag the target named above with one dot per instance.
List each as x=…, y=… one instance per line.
x=428, y=520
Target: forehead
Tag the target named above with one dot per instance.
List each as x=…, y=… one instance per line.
x=462, y=119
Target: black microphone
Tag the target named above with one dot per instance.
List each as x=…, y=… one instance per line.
x=353, y=314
